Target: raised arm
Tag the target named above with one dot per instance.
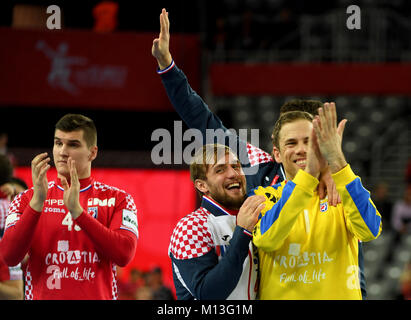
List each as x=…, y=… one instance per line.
x=362, y=217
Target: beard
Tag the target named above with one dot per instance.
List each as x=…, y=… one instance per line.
x=228, y=201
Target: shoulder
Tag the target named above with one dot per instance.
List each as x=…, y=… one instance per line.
x=257, y=156
x=20, y=201
x=113, y=192
x=191, y=237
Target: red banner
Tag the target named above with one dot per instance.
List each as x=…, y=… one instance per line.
x=310, y=79
x=88, y=69
x=162, y=198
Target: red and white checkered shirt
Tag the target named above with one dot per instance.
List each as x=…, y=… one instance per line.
x=4, y=206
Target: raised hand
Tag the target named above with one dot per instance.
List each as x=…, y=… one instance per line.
x=330, y=137
x=315, y=161
x=248, y=215
x=160, y=49
x=327, y=187
x=72, y=192
x=39, y=167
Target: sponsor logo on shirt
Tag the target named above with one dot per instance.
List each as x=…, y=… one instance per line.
x=54, y=202
x=129, y=220
x=101, y=202
x=54, y=210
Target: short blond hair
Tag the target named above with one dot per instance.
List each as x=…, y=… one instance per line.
x=205, y=156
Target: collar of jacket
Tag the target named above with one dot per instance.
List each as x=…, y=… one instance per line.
x=215, y=208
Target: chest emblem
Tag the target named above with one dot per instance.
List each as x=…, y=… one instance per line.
x=324, y=207
x=93, y=211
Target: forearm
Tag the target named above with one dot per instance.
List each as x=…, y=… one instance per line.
x=19, y=235
x=188, y=104
x=118, y=246
x=362, y=217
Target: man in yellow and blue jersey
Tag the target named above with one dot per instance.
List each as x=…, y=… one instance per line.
x=307, y=248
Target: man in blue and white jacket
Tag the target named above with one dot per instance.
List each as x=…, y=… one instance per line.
x=212, y=255
x=196, y=114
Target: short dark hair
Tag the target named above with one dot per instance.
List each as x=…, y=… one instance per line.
x=74, y=122
x=6, y=169
x=288, y=117
x=310, y=106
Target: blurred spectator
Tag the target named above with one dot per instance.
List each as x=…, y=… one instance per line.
x=405, y=282
x=159, y=290
x=383, y=203
x=4, y=139
x=401, y=224
x=11, y=278
x=401, y=214
x=18, y=184
x=105, y=16
x=128, y=289
x=408, y=172
x=144, y=293
x=6, y=190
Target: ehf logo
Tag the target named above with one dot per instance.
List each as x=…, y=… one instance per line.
x=93, y=211
x=324, y=207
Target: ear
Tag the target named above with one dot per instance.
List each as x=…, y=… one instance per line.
x=201, y=185
x=277, y=154
x=93, y=153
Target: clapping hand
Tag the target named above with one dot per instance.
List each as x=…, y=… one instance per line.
x=72, y=192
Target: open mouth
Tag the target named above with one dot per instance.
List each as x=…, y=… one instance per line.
x=301, y=162
x=234, y=186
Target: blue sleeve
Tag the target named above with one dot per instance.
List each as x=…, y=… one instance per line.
x=207, y=278
x=188, y=104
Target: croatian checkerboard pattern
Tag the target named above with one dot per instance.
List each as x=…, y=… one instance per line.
x=191, y=238
x=257, y=156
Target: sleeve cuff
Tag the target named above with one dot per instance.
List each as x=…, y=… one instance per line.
x=344, y=176
x=305, y=180
x=165, y=70
x=248, y=233
x=243, y=236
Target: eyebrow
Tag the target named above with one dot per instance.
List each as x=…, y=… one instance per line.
x=71, y=141
x=290, y=140
x=294, y=139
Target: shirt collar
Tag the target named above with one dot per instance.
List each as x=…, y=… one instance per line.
x=216, y=208
x=85, y=184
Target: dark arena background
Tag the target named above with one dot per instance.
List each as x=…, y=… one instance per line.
x=245, y=58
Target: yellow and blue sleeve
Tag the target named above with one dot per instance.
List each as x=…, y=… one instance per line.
x=362, y=217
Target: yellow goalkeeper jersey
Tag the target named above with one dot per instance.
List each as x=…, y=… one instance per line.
x=307, y=248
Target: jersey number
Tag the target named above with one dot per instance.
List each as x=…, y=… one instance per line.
x=68, y=221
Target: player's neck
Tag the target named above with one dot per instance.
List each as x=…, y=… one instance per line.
x=84, y=181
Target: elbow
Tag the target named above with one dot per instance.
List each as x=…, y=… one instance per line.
x=8, y=258
x=127, y=253
x=123, y=260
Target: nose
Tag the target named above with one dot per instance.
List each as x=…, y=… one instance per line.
x=301, y=148
x=231, y=172
x=63, y=150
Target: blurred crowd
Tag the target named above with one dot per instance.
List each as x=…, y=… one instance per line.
x=143, y=285
x=397, y=221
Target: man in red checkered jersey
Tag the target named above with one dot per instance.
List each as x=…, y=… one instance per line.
x=74, y=229
x=210, y=248
x=11, y=278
